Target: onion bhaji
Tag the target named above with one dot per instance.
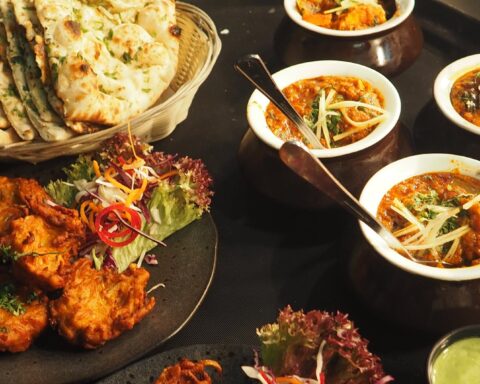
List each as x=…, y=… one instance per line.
x=99, y=305
x=189, y=372
x=10, y=204
x=45, y=236
x=23, y=315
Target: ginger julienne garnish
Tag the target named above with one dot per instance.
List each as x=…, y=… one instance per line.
x=436, y=217
x=339, y=110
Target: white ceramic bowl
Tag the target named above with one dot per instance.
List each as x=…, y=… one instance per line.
x=258, y=103
x=405, y=8
x=380, y=183
x=443, y=86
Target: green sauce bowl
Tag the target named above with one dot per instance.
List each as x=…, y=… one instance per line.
x=455, y=358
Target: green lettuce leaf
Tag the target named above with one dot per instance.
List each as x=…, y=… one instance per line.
x=61, y=193
x=64, y=194
x=171, y=210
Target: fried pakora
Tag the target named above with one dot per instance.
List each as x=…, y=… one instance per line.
x=10, y=204
x=189, y=372
x=46, y=252
x=43, y=236
x=23, y=315
x=99, y=305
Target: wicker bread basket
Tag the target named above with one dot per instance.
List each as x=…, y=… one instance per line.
x=199, y=49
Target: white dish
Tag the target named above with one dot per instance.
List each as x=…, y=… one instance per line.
x=380, y=183
x=405, y=8
x=258, y=103
x=443, y=86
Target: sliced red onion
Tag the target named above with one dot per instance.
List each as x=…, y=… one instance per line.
x=109, y=261
x=51, y=203
x=146, y=213
x=124, y=176
x=151, y=259
x=386, y=379
x=318, y=370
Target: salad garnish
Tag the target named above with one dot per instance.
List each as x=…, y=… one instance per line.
x=315, y=348
x=131, y=198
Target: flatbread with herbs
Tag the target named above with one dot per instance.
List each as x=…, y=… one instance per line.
x=26, y=16
x=109, y=59
x=9, y=97
x=29, y=86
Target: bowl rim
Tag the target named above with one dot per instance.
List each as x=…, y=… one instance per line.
x=447, y=340
x=443, y=86
x=293, y=13
x=393, y=174
x=257, y=103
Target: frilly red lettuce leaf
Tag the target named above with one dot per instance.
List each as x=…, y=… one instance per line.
x=290, y=347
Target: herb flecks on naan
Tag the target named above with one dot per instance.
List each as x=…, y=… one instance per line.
x=110, y=60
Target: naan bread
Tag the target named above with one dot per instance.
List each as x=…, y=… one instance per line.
x=26, y=16
x=4, y=123
x=8, y=136
x=9, y=98
x=110, y=59
x=29, y=86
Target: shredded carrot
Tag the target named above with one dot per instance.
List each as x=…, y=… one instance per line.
x=168, y=174
x=131, y=140
x=142, y=189
x=91, y=221
x=110, y=179
x=212, y=363
x=83, y=216
x=96, y=169
x=94, y=207
x=287, y=380
x=136, y=193
x=137, y=163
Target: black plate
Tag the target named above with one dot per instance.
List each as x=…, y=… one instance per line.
x=186, y=266
x=230, y=357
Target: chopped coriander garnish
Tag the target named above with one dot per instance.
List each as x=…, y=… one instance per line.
x=126, y=58
x=10, y=302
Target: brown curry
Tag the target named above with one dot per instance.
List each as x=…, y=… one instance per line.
x=436, y=216
x=331, y=14
x=321, y=102
x=465, y=96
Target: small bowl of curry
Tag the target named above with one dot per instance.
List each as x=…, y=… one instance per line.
x=348, y=106
x=348, y=18
x=457, y=93
x=431, y=203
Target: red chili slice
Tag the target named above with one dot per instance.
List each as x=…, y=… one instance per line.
x=126, y=236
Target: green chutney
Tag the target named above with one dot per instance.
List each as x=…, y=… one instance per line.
x=459, y=363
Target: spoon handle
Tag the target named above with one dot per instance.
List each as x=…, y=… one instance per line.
x=302, y=162
x=255, y=70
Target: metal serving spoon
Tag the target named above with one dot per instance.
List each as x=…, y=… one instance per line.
x=298, y=158
x=255, y=70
